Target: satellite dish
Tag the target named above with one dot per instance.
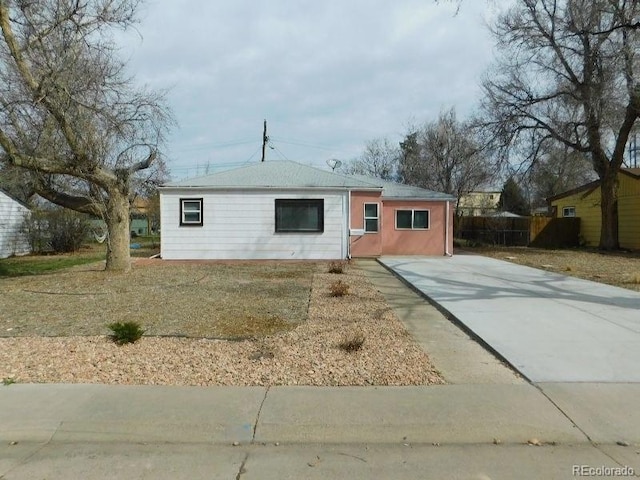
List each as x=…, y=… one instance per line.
x=334, y=163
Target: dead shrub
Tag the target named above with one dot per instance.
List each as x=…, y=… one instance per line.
x=353, y=343
x=337, y=267
x=338, y=289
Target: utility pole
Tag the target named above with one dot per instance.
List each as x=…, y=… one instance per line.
x=265, y=140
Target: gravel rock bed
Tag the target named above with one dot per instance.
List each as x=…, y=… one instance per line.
x=309, y=354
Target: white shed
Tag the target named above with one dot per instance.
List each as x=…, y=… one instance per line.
x=12, y=215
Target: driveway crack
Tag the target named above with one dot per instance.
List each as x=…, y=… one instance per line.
x=242, y=470
x=26, y=460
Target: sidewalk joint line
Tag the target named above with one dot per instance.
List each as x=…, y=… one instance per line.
x=593, y=444
x=566, y=415
x=255, y=425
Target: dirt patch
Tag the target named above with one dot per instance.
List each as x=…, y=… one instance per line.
x=621, y=269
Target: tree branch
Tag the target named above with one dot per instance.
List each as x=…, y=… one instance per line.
x=77, y=203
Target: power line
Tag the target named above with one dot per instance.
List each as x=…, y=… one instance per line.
x=300, y=143
x=278, y=151
x=205, y=146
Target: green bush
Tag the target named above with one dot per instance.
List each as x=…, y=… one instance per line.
x=125, y=332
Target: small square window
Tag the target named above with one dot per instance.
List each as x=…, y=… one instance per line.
x=569, y=212
x=191, y=212
x=371, y=217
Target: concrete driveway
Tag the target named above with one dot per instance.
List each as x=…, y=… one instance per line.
x=550, y=327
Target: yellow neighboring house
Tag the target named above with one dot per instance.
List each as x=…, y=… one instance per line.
x=475, y=204
x=584, y=202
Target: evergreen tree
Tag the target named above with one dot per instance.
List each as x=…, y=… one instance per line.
x=512, y=199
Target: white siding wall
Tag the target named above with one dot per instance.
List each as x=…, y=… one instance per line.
x=12, y=214
x=241, y=225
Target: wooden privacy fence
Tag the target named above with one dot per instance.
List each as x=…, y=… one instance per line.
x=542, y=232
x=548, y=232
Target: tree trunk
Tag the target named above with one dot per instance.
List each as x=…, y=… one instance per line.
x=117, y=220
x=609, y=209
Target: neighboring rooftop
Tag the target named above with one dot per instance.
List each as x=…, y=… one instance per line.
x=589, y=187
x=288, y=174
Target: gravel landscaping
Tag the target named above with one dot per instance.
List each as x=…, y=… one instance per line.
x=293, y=335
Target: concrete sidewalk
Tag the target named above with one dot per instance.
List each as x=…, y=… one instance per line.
x=453, y=414
x=450, y=431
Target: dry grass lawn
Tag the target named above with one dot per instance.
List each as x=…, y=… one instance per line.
x=203, y=300
x=621, y=269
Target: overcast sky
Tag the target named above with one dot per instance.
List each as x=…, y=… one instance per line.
x=326, y=75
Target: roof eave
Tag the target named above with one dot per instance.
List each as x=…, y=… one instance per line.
x=253, y=187
x=420, y=199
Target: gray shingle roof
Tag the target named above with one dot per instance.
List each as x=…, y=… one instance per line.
x=288, y=174
x=392, y=190
x=275, y=174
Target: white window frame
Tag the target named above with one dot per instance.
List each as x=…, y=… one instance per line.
x=191, y=223
x=566, y=210
x=413, y=215
x=376, y=218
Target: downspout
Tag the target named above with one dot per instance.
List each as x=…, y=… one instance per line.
x=446, y=232
x=349, y=226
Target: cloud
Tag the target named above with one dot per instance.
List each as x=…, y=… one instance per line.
x=327, y=75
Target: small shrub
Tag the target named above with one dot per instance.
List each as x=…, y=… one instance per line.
x=338, y=289
x=337, y=267
x=8, y=381
x=352, y=344
x=125, y=332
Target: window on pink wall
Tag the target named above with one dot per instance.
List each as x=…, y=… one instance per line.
x=411, y=219
x=371, y=217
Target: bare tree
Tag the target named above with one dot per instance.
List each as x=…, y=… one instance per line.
x=71, y=115
x=568, y=73
x=444, y=156
x=17, y=182
x=379, y=159
x=558, y=170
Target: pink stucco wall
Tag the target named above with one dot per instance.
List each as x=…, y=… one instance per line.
x=389, y=240
x=416, y=242
x=369, y=244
